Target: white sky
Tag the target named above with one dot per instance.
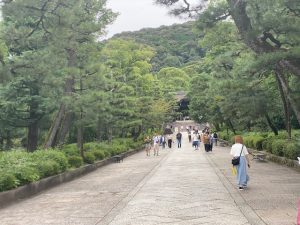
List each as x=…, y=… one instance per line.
x=137, y=14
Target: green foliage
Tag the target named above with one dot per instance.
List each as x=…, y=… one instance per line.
x=175, y=45
x=99, y=155
x=291, y=151
x=278, y=147
x=75, y=161
x=89, y=158
x=27, y=174
x=255, y=142
x=71, y=150
x=267, y=145
x=7, y=181
x=22, y=167
x=53, y=155
x=48, y=168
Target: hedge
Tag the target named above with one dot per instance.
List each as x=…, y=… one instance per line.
x=277, y=145
x=18, y=167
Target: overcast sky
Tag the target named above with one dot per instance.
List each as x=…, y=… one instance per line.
x=138, y=14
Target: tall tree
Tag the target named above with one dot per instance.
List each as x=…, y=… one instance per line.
x=50, y=30
x=261, y=29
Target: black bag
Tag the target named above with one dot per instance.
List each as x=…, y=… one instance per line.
x=236, y=160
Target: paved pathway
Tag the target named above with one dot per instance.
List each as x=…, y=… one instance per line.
x=179, y=187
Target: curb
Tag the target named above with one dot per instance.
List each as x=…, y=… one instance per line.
x=28, y=190
x=294, y=164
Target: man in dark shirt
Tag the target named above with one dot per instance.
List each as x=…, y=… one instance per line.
x=178, y=138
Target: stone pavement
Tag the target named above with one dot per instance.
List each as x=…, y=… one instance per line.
x=274, y=190
x=179, y=187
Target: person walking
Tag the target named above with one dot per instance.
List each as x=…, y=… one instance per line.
x=206, y=141
x=163, y=141
x=178, y=138
x=189, y=136
x=240, y=150
x=147, y=142
x=196, y=141
x=170, y=140
x=211, y=142
x=215, y=136
x=155, y=145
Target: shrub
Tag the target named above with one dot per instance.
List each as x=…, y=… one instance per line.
x=88, y=146
x=98, y=154
x=26, y=174
x=278, y=146
x=119, y=148
x=55, y=155
x=258, y=142
x=267, y=145
x=71, y=151
x=48, y=168
x=89, y=158
x=106, y=153
x=113, y=152
x=225, y=136
x=291, y=151
x=247, y=142
x=7, y=181
x=75, y=161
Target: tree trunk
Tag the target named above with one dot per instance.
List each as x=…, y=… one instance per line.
x=58, y=121
x=1, y=142
x=55, y=127
x=231, y=126
x=292, y=67
x=271, y=125
x=286, y=105
x=32, y=136
x=80, y=139
x=99, y=131
x=249, y=125
x=285, y=87
x=80, y=126
x=259, y=46
x=243, y=23
x=66, y=124
x=9, y=143
x=217, y=126
x=110, y=132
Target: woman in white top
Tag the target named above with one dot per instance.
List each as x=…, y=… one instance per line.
x=195, y=143
x=236, y=150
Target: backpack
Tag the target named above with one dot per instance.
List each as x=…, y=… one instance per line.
x=215, y=135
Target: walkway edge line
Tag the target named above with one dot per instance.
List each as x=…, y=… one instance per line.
x=246, y=210
x=21, y=193
x=110, y=216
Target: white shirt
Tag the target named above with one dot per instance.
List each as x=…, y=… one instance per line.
x=236, y=150
x=195, y=137
x=156, y=140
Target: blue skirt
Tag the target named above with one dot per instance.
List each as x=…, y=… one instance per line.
x=242, y=176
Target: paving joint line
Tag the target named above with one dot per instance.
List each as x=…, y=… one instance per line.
x=111, y=215
x=241, y=203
